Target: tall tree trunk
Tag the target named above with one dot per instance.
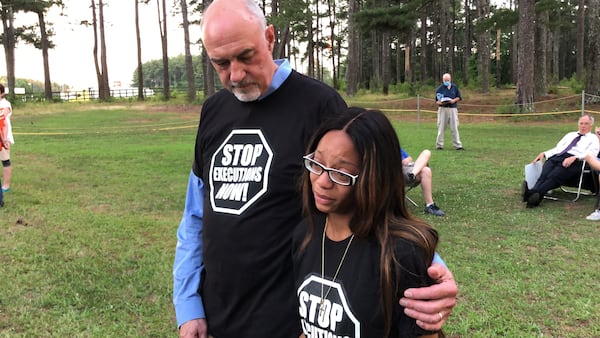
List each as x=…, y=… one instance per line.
x=338, y=51
x=317, y=45
x=333, y=40
x=281, y=43
x=412, y=77
x=467, y=42
x=386, y=62
x=443, y=30
x=311, y=47
x=385, y=59
x=593, y=50
x=399, y=62
x=208, y=75
x=407, y=69
x=189, y=66
x=525, y=86
x=95, y=48
x=445, y=33
x=580, y=38
x=162, y=24
x=498, y=58
x=208, y=71
x=408, y=54
x=483, y=46
x=452, y=37
x=282, y=31
x=556, y=50
x=514, y=55
x=541, y=48
x=138, y=39
x=423, y=42
x=104, y=88
x=9, y=48
x=44, y=45
x=375, y=82
x=101, y=94
x=437, y=32
x=278, y=29
x=352, y=68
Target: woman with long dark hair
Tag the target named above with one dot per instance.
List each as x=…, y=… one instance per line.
x=359, y=248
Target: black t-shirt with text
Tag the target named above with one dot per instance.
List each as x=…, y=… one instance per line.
x=249, y=156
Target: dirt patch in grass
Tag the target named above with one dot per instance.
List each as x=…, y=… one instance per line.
x=183, y=110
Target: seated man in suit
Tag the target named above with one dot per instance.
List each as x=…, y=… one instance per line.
x=563, y=161
x=416, y=172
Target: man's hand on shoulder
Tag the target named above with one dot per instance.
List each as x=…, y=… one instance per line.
x=432, y=305
x=194, y=328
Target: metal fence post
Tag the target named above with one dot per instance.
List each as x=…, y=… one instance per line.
x=418, y=110
x=582, y=102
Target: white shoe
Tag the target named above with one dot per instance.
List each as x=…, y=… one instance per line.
x=594, y=216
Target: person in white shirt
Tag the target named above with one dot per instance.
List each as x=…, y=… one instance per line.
x=560, y=166
x=6, y=112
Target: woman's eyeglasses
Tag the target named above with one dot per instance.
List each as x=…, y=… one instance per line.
x=336, y=176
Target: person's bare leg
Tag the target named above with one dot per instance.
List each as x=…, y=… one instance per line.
x=6, y=173
x=426, y=185
x=421, y=162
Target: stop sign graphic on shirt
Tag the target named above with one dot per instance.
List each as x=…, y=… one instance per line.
x=239, y=171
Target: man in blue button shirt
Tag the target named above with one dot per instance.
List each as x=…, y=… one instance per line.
x=446, y=97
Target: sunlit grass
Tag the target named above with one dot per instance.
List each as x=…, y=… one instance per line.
x=87, y=235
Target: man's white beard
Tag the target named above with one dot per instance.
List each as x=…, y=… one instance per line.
x=247, y=94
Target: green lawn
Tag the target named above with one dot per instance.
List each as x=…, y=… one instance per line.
x=87, y=236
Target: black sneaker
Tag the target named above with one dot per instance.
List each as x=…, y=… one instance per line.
x=434, y=210
x=439, y=148
x=534, y=200
x=460, y=148
x=524, y=191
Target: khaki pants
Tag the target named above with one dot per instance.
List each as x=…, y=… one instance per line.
x=447, y=116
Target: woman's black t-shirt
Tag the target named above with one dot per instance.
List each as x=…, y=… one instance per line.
x=352, y=302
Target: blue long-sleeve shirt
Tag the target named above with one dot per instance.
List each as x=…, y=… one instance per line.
x=188, y=255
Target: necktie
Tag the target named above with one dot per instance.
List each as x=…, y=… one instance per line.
x=571, y=145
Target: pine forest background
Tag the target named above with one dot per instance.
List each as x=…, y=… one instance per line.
x=372, y=45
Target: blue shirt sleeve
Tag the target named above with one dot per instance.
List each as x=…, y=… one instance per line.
x=188, y=263
x=438, y=94
x=438, y=259
x=403, y=153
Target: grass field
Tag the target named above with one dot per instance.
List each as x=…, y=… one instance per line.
x=87, y=235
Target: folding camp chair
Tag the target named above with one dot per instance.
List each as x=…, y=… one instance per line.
x=585, y=184
x=409, y=188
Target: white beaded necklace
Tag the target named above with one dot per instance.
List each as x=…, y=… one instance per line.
x=322, y=303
